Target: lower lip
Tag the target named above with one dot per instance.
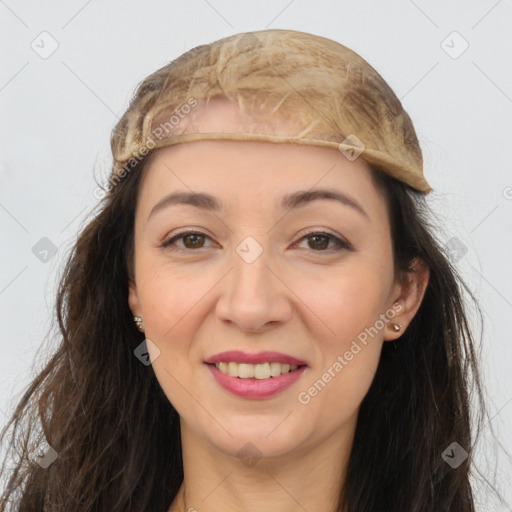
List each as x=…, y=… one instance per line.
x=256, y=388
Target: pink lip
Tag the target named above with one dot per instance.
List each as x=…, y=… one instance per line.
x=256, y=388
x=238, y=356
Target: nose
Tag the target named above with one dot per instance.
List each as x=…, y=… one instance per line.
x=254, y=297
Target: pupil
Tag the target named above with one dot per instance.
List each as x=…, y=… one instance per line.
x=325, y=241
x=192, y=237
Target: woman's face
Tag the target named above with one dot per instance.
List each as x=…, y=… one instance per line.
x=289, y=258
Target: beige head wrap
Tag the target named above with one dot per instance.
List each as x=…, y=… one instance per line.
x=289, y=87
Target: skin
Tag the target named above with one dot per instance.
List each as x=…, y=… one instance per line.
x=299, y=297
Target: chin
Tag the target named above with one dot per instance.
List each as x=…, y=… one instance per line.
x=261, y=436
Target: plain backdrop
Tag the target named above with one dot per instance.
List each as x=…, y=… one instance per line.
x=68, y=70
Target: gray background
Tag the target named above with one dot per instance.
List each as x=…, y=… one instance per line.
x=57, y=111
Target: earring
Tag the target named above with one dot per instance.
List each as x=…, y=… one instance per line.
x=395, y=327
x=139, y=323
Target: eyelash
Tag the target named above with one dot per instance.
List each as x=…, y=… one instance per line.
x=341, y=244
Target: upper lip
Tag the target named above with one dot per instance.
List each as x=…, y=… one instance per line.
x=238, y=356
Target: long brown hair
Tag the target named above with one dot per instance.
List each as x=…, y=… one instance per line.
x=117, y=435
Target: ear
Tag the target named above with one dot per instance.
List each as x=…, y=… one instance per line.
x=133, y=298
x=408, y=293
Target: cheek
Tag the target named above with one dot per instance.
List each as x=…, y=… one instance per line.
x=346, y=303
x=168, y=296
x=348, y=347
x=173, y=309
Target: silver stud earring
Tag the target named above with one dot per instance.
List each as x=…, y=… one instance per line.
x=139, y=323
x=395, y=327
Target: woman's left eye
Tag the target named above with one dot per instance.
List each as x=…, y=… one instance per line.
x=317, y=241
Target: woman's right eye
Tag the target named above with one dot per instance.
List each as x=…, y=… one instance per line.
x=191, y=240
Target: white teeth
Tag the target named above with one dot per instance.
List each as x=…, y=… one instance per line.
x=232, y=369
x=246, y=371
x=259, y=371
x=275, y=369
x=262, y=371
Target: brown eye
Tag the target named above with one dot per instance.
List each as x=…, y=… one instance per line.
x=190, y=240
x=193, y=241
x=319, y=242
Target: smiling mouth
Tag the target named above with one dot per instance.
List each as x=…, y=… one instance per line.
x=258, y=371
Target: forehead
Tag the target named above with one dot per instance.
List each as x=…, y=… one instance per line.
x=254, y=175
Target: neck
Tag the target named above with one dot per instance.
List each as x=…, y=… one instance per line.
x=310, y=478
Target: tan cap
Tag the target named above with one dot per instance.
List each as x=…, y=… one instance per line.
x=288, y=87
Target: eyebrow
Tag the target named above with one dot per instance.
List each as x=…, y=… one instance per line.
x=289, y=202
